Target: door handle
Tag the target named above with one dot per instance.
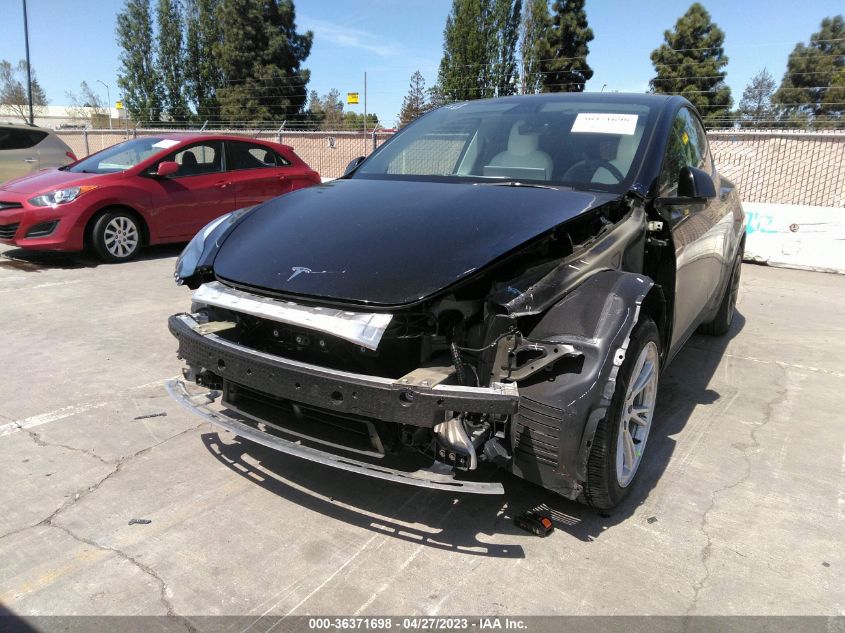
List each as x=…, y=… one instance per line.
x=222, y=184
x=30, y=160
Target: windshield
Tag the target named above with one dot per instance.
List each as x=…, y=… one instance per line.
x=122, y=156
x=576, y=143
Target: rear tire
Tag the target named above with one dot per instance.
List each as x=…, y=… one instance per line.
x=620, y=440
x=116, y=236
x=721, y=323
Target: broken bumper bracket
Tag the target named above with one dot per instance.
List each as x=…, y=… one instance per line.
x=421, y=478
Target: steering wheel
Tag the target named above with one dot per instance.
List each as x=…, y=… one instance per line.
x=595, y=163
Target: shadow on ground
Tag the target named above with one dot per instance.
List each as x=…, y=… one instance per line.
x=24, y=260
x=480, y=525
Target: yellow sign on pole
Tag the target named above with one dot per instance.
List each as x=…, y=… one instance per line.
x=351, y=98
x=118, y=105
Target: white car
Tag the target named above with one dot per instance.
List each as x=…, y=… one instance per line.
x=25, y=149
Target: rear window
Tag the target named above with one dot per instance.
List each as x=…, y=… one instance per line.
x=253, y=156
x=16, y=138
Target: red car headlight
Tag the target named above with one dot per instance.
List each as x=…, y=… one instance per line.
x=60, y=196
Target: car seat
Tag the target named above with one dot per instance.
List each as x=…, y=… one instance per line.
x=189, y=165
x=626, y=149
x=522, y=151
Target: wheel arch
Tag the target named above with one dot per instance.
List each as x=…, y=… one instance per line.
x=142, y=223
x=597, y=318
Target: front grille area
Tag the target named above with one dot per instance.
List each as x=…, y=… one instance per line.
x=350, y=431
x=7, y=231
x=10, y=205
x=537, y=431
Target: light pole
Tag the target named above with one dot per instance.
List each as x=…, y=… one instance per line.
x=28, y=67
x=108, y=98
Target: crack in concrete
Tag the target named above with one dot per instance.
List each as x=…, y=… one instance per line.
x=40, y=442
x=781, y=395
x=162, y=584
x=118, y=466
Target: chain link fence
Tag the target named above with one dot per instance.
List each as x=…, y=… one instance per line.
x=772, y=166
x=783, y=166
x=327, y=152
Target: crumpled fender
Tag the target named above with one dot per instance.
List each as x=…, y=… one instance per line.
x=597, y=319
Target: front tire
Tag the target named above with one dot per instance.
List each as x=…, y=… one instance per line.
x=620, y=440
x=721, y=323
x=116, y=236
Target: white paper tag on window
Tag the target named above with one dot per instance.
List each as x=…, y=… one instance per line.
x=165, y=143
x=605, y=123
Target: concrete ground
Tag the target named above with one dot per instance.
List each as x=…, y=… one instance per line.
x=740, y=508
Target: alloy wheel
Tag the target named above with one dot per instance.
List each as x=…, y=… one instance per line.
x=121, y=237
x=637, y=413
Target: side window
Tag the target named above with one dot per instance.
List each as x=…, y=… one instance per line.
x=199, y=159
x=252, y=156
x=703, y=145
x=687, y=148
x=15, y=138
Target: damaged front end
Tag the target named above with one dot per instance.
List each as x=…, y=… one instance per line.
x=514, y=366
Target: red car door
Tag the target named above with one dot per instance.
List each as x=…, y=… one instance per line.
x=257, y=172
x=199, y=192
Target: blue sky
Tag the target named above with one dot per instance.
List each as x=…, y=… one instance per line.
x=72, y=41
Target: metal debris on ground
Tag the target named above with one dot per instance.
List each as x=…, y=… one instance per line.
x=160, y=414
x=140, y=521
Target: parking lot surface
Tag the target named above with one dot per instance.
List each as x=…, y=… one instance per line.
x=740, y=508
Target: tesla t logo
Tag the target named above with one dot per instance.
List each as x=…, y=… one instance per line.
x=301, y=270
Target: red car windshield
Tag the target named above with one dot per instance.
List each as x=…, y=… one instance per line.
x=122, y=156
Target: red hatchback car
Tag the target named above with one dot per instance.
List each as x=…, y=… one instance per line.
x=150, y=190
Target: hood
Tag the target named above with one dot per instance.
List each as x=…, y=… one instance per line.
x=50, y=179
x=388, y=242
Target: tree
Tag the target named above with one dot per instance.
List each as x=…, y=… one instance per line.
x=564, y=52
x=479, y=43
x=415, y=102
x=533, y=40
x=814, y=82
x=464, y=65
x=87, y=104
x=755, y=107
x=355, y=121
x=170, y=61
x=260, y=55
x=504, y=26
x=332, y=107
x=13, y=93
x=314, y=116
x=138, y=77
x=690, y=62
x=202, y=74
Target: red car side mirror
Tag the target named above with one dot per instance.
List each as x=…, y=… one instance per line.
x=167, y=168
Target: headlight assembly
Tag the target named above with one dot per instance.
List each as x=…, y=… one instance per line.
x=189, y=259
x=60, y=196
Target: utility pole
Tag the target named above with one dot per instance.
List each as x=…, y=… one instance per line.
x=365, y=104
x=108, y=98
x=28, y=69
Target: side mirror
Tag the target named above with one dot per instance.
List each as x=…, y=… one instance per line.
x=353, y=165
x=695, y=183
x=167, y=168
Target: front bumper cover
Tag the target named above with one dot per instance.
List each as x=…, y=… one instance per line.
x=433, y=479
x=370, y=396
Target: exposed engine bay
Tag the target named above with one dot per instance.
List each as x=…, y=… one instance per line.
x=474, y=338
